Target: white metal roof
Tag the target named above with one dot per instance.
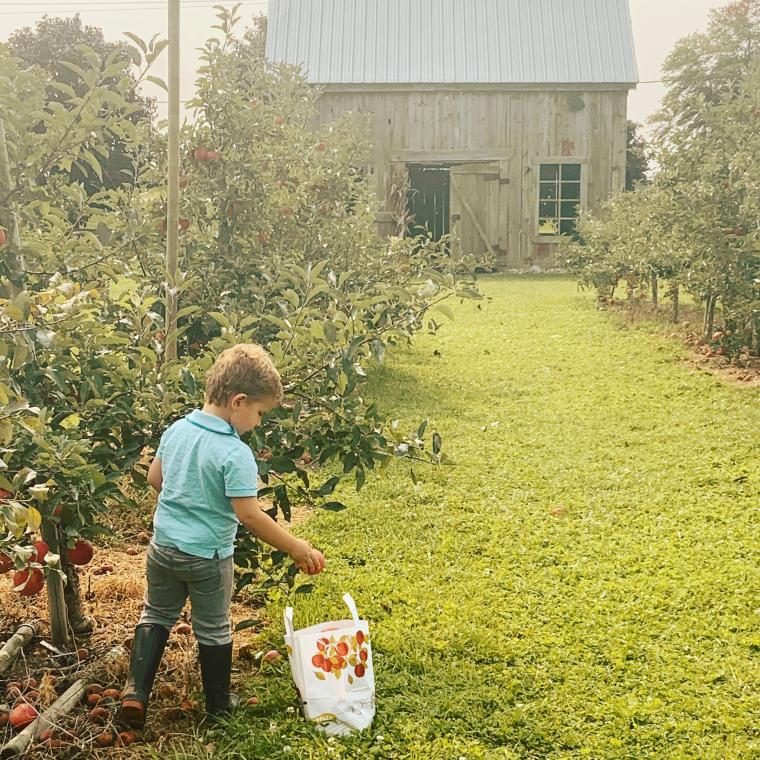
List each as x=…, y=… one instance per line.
x=454, y=41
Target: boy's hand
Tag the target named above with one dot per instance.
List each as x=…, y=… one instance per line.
x=319, y=558
x=308, y=559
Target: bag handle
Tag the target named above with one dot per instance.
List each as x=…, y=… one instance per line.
x=351, y=604
x=289, y=621
x=347, y=598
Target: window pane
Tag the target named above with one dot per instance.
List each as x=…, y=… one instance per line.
x=549, y=171
x=569, y=210
x=547, y=209
x=567, y=226
x=571, y=191
x=548, y=191
x=547, y=227
x=571, y=172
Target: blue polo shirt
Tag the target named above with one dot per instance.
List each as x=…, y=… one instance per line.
x=203, y=464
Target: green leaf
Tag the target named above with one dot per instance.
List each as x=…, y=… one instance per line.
x=334, y=506
x=445, y=310
x=437, y=443
x=282, y=464
x=329, y=486
x=71, y=422
x=159, y=82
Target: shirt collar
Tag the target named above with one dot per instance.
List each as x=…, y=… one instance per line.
x=211, y=422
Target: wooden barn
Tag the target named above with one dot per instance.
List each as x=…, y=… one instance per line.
x=510, y=115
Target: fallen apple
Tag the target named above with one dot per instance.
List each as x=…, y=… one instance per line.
x=99, y=716
x=183, y=629
x=22, y=715
x=184, y=224
x=105, y=739
x=272, y=656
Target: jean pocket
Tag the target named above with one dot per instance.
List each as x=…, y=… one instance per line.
x=203, y=574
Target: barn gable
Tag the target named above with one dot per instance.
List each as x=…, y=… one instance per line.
x=455, y=41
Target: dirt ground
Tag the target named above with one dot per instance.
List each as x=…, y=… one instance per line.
x=114, y=600
x=743, y=371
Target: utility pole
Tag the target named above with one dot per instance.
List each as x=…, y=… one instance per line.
x=9, y=220
x=172, y=210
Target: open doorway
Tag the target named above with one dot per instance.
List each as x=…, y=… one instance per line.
x=429, y=200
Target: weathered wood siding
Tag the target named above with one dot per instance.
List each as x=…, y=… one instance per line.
x=512, y=131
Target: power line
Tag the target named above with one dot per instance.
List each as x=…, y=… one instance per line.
x=148, y=7
x=123, y=3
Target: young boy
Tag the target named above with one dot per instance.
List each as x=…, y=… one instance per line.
x=207, y=483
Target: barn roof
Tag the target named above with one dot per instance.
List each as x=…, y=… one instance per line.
x=454, y=41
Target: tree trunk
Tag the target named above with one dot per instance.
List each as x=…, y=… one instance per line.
x=710, y=314
x=56, y=591
x=78, y=621
x=675, y=294
x=631, y=284
x=655, y=292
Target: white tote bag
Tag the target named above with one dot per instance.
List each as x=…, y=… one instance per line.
x=331, y=665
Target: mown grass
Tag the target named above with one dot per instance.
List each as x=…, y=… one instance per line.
x=624, y=627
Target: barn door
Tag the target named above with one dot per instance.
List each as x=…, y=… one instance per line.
x=428, y=201
x=475, y=207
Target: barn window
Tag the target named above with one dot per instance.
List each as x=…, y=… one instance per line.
x=559, y=199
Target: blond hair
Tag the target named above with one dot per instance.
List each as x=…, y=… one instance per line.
x=245, y=368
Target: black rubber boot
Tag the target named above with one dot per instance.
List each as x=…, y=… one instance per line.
x=216, y=667
x=147, y=649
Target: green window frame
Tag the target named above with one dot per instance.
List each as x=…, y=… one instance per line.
x=560, y=197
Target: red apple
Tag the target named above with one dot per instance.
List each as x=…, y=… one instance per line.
x=40, y=550
x=28, y=582
x=200, y=154
x=5, y=494
x=3, y=236
x=263, y=237
x=161, y=226
x=272, y=655
x=183, y=629
x=279, y=120
x=184, y=224
x=213, y=155
x=81, y=554
x=6, y=563
x=22, y=715
x=183, y=182
x=321, y=147
x=360, y=670
x=317, y=660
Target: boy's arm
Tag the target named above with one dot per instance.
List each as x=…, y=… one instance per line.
x=155, y=475
x=264, y=527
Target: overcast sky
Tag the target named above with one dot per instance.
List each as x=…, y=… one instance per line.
x=657, y=24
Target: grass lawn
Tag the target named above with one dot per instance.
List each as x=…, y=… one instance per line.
x=625, y=626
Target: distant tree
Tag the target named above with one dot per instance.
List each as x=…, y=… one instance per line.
x=707, y=69
x=637, y=160
x=55, y=44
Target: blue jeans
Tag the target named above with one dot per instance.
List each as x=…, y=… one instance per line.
x=173, y=576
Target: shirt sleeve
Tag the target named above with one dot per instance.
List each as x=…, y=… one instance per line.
x=161, y=450
x=241, y=473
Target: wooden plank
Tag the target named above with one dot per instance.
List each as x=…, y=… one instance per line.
x=471, y=213
x=451, y=156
